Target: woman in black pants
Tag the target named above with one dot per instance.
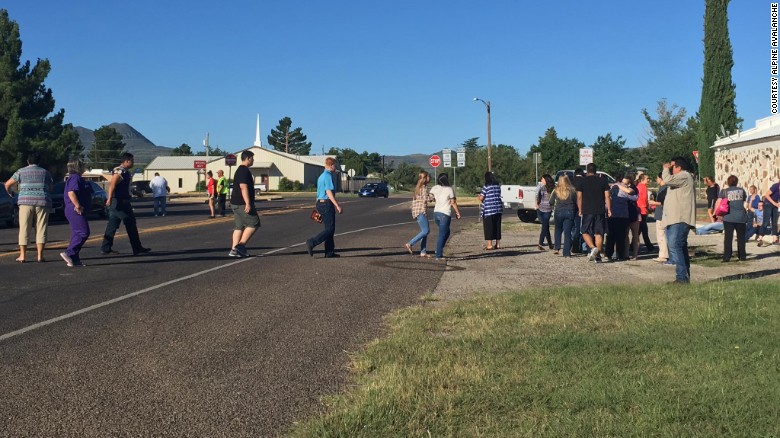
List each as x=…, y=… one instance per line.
x=735, y=219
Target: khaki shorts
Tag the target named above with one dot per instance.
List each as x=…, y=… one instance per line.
x=30, y=215
x=244, y=219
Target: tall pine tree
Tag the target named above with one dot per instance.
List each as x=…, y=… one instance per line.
x=289, y=141
x=25, y=107
x=718, y=91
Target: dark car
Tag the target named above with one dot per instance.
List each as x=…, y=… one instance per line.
x=97, y=206
x=374, y=190
x=9, y=211
x=140, y=188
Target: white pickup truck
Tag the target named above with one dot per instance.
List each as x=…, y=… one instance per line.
x=523, y=198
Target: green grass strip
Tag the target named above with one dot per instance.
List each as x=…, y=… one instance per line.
x=702, y=360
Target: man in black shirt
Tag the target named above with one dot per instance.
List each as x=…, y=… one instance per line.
x=592, y=196
x=120, y=210
x=713, y=190
x=242, y=202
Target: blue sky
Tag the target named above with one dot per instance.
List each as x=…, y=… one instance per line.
x=395, y=77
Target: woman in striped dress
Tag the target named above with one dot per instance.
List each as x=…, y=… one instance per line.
x=492, y=209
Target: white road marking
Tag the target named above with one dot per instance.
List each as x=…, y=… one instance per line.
x=168, y=283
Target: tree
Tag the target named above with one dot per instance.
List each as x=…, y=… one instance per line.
x=182, y=151
x=25, y=106
x=609, y=154
x=508, y=167
x=285, y=140
x=215, y=152
x=557, y=153
x=718, y=92
x=670, y=135
x=107, y=148
x=404, y=177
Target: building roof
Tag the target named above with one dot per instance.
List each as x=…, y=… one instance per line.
x=766, y=127
x=178, y=163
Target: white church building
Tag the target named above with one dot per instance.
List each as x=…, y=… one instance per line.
x=269, y=167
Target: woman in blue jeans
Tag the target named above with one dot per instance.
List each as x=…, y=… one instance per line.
x=564, y=200
x=419, y=202
x=442, y=211
x=544, y=209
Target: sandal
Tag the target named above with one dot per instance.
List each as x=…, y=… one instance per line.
x=426, y=256
x=409, y=248
x=20, y=260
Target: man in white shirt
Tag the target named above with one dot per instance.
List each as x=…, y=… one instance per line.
x=160, y=192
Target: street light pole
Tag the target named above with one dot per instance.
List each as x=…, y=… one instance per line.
x=487, y=106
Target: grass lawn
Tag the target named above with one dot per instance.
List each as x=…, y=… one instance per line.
x=701, y=360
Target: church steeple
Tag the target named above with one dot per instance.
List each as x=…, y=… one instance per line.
x=258, y=143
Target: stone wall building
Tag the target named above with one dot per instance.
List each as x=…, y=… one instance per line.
x=752, y=155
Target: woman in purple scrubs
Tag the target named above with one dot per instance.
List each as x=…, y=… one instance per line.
x=78, y=197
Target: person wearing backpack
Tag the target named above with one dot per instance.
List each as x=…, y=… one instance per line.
x=734, y=219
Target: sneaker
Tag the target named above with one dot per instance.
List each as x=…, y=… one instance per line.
x=234, y=253
x=310, y=247
x=592, y=254
x=142, y=251
x=667, y=263
x=242, y=250
x=110, y=251
x=67, y=259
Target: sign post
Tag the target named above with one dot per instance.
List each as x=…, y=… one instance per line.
x=198, y=165
x=434, y=161
x=586, y=156
x=230, y=161
x=461, y=162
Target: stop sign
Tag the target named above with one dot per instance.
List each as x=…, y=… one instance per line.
x=435, y=160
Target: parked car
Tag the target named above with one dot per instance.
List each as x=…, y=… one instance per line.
x=374, y=190
x=97, y=206
x=140, y=188
x=9, y=211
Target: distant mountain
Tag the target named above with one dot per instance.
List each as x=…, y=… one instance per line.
x=135, y=143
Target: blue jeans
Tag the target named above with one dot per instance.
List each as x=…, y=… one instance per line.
x=544, y=218
x=422, y=236
x=677, y=240
x=159, y=205
x=328, y=212
x=770, y=220
x=443, y=222
x=710, y=228
x=564, y=222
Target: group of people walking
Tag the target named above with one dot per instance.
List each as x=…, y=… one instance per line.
x=605, y=222
x=445, y=202
x=35, y=185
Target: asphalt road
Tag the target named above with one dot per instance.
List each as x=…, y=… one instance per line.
x=196, y=343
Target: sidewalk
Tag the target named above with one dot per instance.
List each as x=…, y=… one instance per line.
x=472, y=271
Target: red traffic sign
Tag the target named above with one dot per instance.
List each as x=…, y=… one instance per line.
x=199, y=164
x=696, y=155
x=230, y=160
x=435, y=161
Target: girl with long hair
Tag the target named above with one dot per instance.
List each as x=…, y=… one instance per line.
x=419, y=203
x=564, y=200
